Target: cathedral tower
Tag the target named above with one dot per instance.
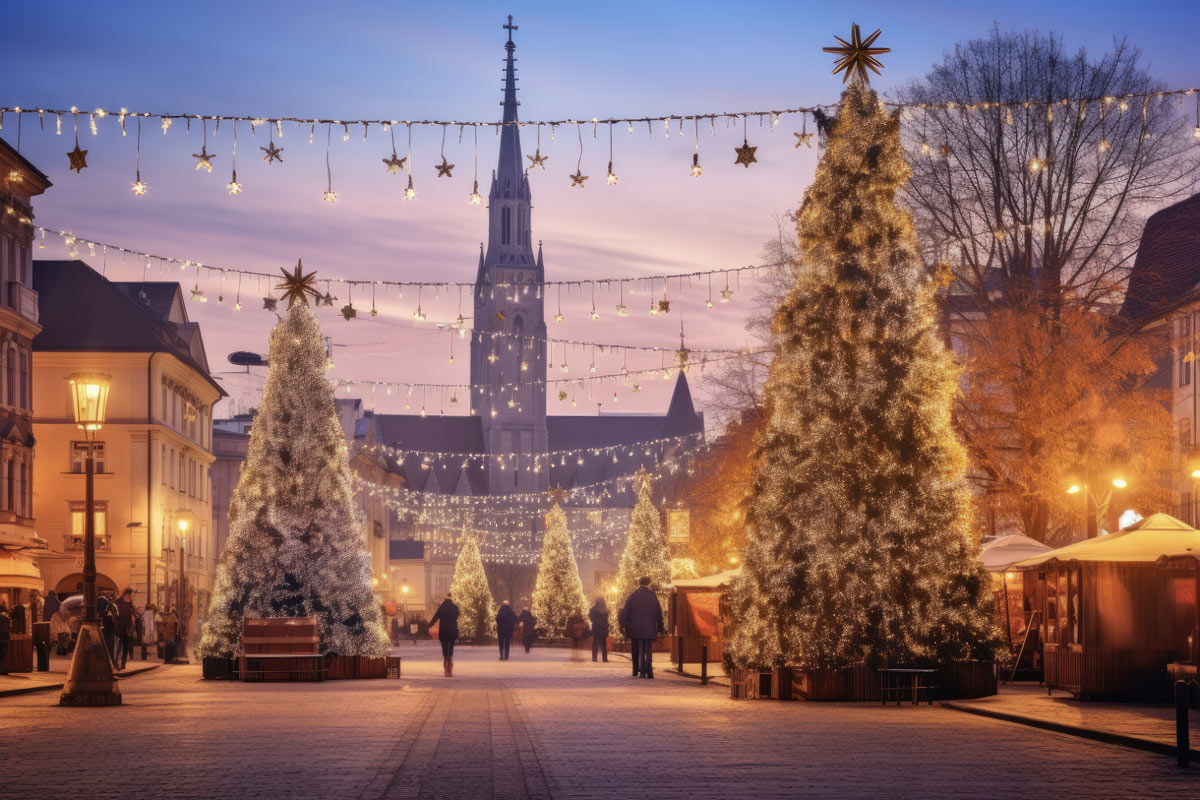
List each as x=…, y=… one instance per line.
x=508, y=346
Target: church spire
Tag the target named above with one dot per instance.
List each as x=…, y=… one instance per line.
x=510, y=167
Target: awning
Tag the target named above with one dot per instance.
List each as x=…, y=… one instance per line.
x=17, y=572
x=1146, y=541
x=1002, y=552
x=709, y=582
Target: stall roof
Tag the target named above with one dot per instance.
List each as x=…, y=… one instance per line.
x=1156, y=536
x=1002, y=552
x=709, y=582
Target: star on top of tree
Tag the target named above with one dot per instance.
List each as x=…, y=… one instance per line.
x=745, y=154
x=640, y=478
x=857, y=55
x=78, y=159
x=297, y=286
x=537, y=159
x=558, y=494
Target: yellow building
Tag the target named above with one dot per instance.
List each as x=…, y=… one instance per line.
x=20, y=182
x=153, y=456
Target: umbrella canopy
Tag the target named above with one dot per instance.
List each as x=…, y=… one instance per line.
x=1002, y=552
x=1146, y=541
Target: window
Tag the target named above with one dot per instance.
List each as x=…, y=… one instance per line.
x=1185, y=370
x=78, y=519
x=1063, y=598
x=505, y=225
x=172, y=463
x=182, y=473
x=10, y=485
x=10, y=376
x=162, y=464
x=1185, y=433
x=162, y=411
x=79, y=452
x=521, y=226
x=24, y=379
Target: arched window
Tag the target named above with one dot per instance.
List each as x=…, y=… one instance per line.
x=24, y=379
x=10, y=375
x=521, y=226
x=505, y=225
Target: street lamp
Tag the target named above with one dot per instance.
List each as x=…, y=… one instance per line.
x=90, y=680
x=1093, y=503
x=404, y=590
x=185, y=520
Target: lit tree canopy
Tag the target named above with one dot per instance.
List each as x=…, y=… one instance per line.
x=558, y=593
x=645, y=554
x=295, y=546
x=469, y=588
x=859, y=545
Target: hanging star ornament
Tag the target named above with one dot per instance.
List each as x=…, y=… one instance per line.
x=803, y=139
x=857, y=55
x=444, y=168
x=203, y=159
x=578, y=178
x=327, y=300
x=537, y=159
x=78, y=159
x=269, y=303
x=273, y=153
x=296, y=286
x=745, y=154
x=349, y=311
x=394, y=164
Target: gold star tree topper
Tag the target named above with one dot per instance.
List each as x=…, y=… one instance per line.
x=558, y=494
x=297, y=286
x=857, y=55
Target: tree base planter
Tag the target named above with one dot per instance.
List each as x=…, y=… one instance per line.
x=219, y=668
x=356, y=667
x=819, y=684
x=750, y=684
x=960, y=680
x=966, y=680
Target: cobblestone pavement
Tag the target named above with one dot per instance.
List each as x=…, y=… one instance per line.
x=1145, y=721
x=545, y=725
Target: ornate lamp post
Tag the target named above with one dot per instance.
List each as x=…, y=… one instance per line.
x=1094, y=503
x=90, y=680
x=184, y=521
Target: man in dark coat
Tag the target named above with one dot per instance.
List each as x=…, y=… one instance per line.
x=506, y=621
x=598, y=616
x=124, y=612
x=51, y=606
x=642, y=621
x=108, y=623
x=527, y=620
x=446, y=617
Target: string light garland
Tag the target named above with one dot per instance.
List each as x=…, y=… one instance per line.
x=547, y=458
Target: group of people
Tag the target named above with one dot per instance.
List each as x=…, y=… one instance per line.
x=125, y=626
x=641, y=620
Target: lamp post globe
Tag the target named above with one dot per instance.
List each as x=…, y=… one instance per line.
x=90, y=679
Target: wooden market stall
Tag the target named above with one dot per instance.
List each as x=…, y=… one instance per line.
x=695, y=617
x=998, y=556
x=1112, y=613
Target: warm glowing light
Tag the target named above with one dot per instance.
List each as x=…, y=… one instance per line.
x=1119, y=483
x=1008, y=576
x=89, y=394
x=1075, y=489
x=733, y=559
x=330, y=197
x=139, y=188
x=696, y=170
x=1196, y=474
x=234, y=187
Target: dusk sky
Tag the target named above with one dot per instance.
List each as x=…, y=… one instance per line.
x=443, y=61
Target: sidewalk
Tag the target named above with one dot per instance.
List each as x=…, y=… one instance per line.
x=1143, y=726
x=22, y=682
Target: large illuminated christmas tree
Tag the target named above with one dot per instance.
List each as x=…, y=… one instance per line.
x=295, y=546
x=471, y=593
x=645, y=554
x=558, y=592
x=859, y=545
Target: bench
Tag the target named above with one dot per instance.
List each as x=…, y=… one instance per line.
x=281, y=649
x=897, y=681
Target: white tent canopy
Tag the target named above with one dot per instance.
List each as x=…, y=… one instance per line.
x=1155, y=536
x=1002, y=552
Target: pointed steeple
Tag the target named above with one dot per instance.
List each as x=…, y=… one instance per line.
x=682, y=418
x=510, y=167
x=541, y=268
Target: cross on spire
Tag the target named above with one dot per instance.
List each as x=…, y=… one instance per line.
x=510, y=27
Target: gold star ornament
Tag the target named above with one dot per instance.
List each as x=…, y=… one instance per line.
x=745, y=154
x=578, y=178
x=297, y=287
x=558, y=494
x=857, y=55
x=444, y=168
x=537, y=159
x=78, y=159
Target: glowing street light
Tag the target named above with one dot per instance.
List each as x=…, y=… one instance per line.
x=1093, y=503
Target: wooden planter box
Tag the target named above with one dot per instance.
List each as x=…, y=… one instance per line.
x=751, y=684
x=219, y=668
x=964, y=680
x=355, y=667
x=20, y=653
x=819, y=684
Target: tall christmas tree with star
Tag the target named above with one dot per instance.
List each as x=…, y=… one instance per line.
x=295, y=546
x=471, y=593
x=558, y=591
x=645, y=554
x=859, y=540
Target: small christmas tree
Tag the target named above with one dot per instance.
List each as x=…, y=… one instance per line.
x=471, y=593
x=558, y=593
x=295, y=544
x=645, y=554
x=859, y=545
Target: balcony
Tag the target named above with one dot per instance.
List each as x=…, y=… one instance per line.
x=23, y=300
x=74, y=544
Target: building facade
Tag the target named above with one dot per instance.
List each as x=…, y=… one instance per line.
x=21, y=182
x=152, y=457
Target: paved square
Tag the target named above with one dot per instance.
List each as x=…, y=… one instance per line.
x=545, y=725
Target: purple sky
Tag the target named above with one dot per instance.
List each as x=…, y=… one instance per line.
x=378, y=60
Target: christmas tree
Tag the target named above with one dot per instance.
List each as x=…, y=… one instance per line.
x=859, y=545
x=558, y=593
x=645, y=555
x=295, y=544
x=470, y=591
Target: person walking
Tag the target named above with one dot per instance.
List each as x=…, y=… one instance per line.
x=599, y=619
x=124, y=612
x=60, y=630
x=642, y=621
x=51, y=606
x=5, y=630
x=168, y=627
x=446, y=617
x=527, y=620
x=506, y=620
x=108, y=626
